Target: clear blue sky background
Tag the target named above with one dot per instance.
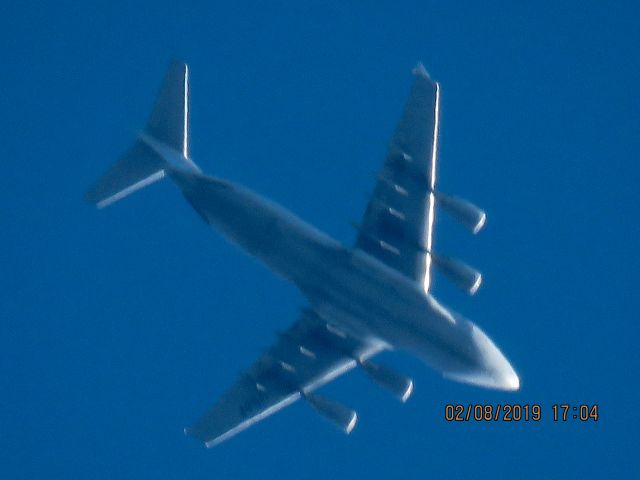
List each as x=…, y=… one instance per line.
x=120, y=327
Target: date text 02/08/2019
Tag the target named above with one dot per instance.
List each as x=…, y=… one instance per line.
x=520, y=412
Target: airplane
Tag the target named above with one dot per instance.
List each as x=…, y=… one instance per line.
x=362, y=300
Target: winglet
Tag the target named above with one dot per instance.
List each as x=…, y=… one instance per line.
x=420, y=71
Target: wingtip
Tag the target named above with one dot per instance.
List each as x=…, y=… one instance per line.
x=420, y=71
x=89, y=198
x=177, y=62
x=188, y=431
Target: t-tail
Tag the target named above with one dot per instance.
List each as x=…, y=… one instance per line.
x=162, y=145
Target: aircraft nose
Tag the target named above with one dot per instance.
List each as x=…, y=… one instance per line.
x=490, y=369
x=509, y=379
x=497, y=369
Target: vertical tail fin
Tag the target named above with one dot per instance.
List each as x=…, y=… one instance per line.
x=163, y=144
x=169, y=119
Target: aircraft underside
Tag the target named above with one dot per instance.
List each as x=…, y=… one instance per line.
x=365, y=299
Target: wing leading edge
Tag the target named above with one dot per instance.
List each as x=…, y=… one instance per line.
x=397, y=227
x=305, y=357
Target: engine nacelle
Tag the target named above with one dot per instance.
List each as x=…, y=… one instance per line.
x=465, y=212
x=462, y=275
x=343, y=417
x=398, y=384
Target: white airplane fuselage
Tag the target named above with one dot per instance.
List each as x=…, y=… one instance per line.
x=346, y=287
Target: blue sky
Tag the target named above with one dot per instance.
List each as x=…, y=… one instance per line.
x=120, y=327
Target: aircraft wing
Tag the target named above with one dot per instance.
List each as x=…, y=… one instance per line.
x=308, y=355
x=397, y=227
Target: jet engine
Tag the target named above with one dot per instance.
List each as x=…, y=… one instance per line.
x=343, y=417
x=398, y=384
x=464, y=211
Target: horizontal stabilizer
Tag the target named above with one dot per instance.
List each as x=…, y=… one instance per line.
x=138, y=167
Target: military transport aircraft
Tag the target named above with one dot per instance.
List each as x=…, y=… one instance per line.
x=362, y=300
